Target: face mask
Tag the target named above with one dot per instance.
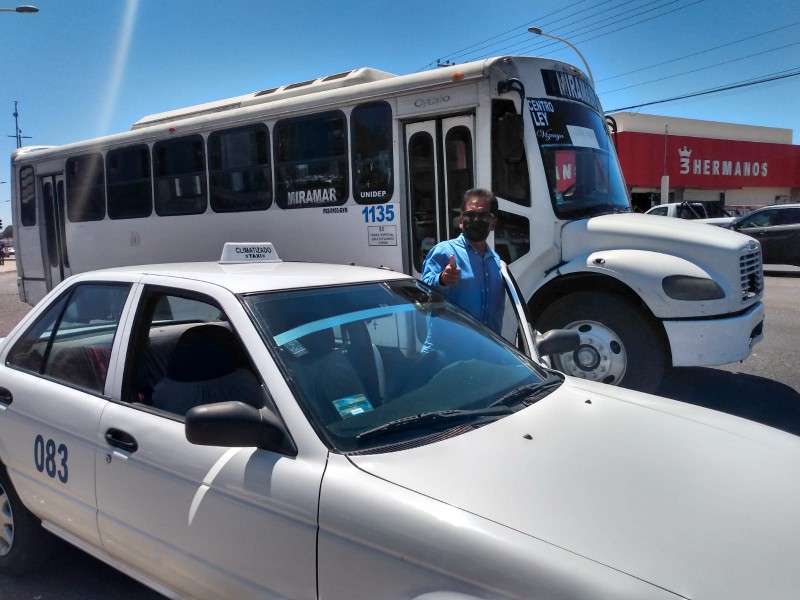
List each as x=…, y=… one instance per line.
x=475, y=231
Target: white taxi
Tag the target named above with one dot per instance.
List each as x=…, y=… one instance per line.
x=278, y=430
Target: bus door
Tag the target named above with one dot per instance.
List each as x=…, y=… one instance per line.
x=440, y=163
x=54, y=243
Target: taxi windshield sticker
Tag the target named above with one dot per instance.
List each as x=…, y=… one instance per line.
x=350, y=406
x=296, y=348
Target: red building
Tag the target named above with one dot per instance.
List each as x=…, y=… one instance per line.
x=738, y=166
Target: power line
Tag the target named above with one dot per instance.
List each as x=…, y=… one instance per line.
x=592, y=27
x=774, y=77
x=524, y=25
x=666, y=62
x=547, y=25
x=544, y=24
x=719, y=64
x=501, y=44
x=583, y=41
x=631, y=14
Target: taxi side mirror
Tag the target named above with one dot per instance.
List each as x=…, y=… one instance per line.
x=557, y=341
x=236, y=424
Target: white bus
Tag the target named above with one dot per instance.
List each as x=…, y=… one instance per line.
x=369, y=168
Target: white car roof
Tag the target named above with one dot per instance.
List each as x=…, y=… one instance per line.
x=253, y=277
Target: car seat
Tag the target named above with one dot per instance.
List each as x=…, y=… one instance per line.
x=207, y=366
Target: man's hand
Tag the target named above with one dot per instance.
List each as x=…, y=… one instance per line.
x=451, y=274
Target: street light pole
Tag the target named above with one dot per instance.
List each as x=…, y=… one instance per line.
x=537, y=31
x=18, y=131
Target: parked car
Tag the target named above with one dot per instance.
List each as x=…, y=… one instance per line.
x=276, y=430
x=705, y=212
x=777, y=228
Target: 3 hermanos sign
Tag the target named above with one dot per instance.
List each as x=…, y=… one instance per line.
x=715, y=166
x=706, y=163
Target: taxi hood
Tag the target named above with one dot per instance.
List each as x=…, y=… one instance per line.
x=697, y=502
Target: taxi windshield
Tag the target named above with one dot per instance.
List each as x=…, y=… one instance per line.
x=380, y=364
x=580, y=165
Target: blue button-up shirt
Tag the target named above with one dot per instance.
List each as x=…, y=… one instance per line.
x=481, y=291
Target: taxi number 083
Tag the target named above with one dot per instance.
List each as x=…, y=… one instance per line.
x=50, y=459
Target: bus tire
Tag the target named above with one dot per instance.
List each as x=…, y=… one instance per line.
x=619, y=344
x=24, y=544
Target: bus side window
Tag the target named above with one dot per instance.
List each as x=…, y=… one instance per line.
x=510, y=179
x=460, y=178
x=371, y=131
x=311, y=161
x=512, y=236
x=27, y=197
x=129, y=184
x=86, y=193
x=179, y=168
x=239, y=169
x=422, y=167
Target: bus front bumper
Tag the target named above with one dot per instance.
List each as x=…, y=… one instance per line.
x=718, y=341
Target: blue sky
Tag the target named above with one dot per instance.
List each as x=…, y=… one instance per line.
x=82, y=68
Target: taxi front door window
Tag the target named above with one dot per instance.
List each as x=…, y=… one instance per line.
x=187, y=354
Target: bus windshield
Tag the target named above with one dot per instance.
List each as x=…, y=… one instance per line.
x=582, y=171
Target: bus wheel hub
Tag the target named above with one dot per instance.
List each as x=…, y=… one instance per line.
x=600, y=356
x=587, y=358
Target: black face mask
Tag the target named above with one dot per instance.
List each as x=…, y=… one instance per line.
x=475, y=230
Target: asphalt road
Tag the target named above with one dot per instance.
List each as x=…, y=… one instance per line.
x=763, y=388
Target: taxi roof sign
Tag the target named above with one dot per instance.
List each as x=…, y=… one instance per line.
x=248, y=252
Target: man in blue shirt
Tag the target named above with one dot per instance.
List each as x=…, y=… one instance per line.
x=465, y=269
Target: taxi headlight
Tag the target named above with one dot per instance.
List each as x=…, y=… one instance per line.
x=684, y=287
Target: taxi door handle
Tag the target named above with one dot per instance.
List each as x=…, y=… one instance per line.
x=5, y=396
x=121, y=439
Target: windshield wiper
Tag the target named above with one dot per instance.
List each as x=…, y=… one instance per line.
x=427, y=418
x=527, y=394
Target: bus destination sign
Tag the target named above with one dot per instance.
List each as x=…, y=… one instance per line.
x=566, y=85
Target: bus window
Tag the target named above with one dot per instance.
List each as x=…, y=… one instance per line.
x=51, y=221
x=512, y=236
x=85, y=188
x=311, y=161
x=180, y=176
x=460, y=178
x=422, y=166
x=129, y=188
x=371, y=129
x=510, y=178
x=239, y=169
x=27, y=197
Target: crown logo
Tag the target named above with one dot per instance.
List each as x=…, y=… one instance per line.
x=684, y=152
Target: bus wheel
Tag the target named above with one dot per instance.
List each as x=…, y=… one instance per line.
x=619, y=345
x=24, y=545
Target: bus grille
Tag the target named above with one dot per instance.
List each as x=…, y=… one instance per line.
x=752, y=274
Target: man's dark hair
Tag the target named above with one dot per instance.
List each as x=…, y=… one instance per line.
x=480, y=193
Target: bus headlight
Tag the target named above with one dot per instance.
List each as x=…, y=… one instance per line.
x=684, y=287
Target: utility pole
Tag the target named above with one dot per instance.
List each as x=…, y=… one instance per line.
x=18, y=131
